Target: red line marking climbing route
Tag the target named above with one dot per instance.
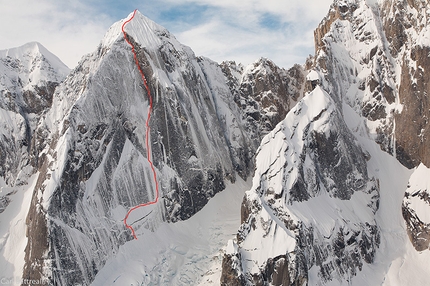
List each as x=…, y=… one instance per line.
x=148, y=145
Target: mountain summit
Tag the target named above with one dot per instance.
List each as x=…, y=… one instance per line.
x=337, y=149
x=88, y=148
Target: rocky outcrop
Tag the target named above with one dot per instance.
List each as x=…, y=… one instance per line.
x=357, y=67
x=297, y=216
x=416, y=208
x=264, y=93
x=412, y=128
x=338, y=10
x=405, y=24
x=389, y=70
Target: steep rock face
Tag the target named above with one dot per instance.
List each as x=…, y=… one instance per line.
x=406, y=28
x=377, y=52
x=376, y=59
x=356, y=66
x=28, y=77
x=298, y=215
x=265, y=93
x=416, y=208
x=371, y=59
x=93, y=165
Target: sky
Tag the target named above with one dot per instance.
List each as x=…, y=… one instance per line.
x=239, y=30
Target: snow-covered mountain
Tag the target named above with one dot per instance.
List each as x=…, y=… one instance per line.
x=28, y=77
x=337, y=149
x=326, y=206
x=88, y=145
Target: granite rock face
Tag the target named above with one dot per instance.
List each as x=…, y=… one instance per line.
x=389, y=69
x=415, y=208
x=370, y=64
x=76, y=140
x=91, y=154
x=298, y=215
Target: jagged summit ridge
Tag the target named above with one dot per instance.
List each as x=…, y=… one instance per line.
x=143, y=30
x=32, y=63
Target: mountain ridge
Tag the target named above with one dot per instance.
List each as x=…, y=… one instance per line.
x=324, y=141
x=91, y=154
x=365, y=68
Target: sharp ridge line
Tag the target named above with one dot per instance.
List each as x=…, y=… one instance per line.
x=148, y=145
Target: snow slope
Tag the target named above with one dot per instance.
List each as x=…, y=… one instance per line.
x=181, y=253
x=13, y=238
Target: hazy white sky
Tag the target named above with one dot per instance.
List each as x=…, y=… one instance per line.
x=240, y=30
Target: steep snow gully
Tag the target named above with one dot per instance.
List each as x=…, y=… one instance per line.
x=148, y=145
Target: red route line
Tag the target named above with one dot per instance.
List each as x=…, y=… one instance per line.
x=148, y=146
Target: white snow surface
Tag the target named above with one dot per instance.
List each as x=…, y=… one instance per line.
x=419, y=183
x=28, y=65
x=13, y=239
x=313, y=75
x=184, y=253
x=395, y=244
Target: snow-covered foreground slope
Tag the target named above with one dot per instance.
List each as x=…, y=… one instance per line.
x=182, y=253
x=13, y=238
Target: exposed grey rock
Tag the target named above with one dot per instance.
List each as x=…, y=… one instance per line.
x=28, y=77
x=93, y=165
x=309, y=162
x=415, y=206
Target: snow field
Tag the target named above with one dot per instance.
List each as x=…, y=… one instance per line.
x=183, y=253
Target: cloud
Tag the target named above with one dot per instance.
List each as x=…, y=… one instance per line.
x=291, y=10
x=69, y=31
x=241, y=30
x=219, y=42
x=245, y=30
